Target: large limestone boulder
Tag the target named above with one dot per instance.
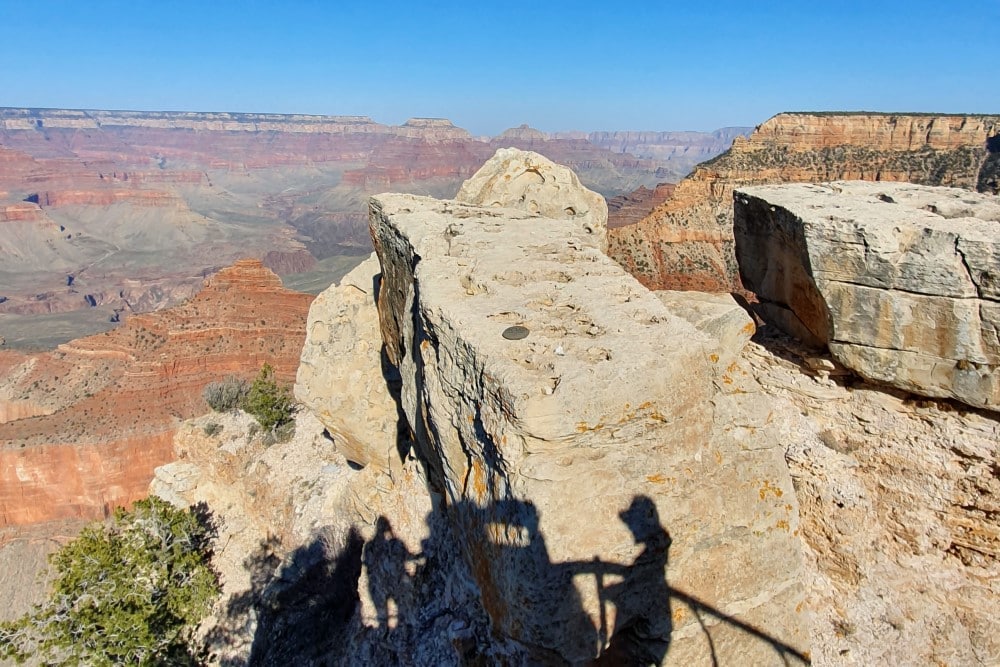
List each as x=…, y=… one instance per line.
x=899, y=280
x=341, y=377
x=565, y=417
x=530, y=182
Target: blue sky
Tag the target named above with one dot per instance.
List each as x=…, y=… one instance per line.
x=695, y=65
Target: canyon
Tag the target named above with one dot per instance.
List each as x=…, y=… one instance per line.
x=473, y=492
x=108, y=213
x=82, y=427
x=687, y=242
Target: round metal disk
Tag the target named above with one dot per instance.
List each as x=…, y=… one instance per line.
x=515, y=332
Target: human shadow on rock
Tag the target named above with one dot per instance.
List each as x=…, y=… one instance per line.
x=521, y=603
x=304, y=606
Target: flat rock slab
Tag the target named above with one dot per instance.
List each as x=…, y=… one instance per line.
x=901, y=281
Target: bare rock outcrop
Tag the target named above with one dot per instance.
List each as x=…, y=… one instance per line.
x=531, y=182
x=899, y=280
x=567, y=419
x=341, y=378
x=898, y=502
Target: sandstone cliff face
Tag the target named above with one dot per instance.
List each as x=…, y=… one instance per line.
x=687, y=243
x=897, y=279
x=106, y=406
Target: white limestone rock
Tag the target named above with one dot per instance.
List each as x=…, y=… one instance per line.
x=578, y=463
x=901, y=281
x=340, y=377
x=530, y=182
x=728, y=326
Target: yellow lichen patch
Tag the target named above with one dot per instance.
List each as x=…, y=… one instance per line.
x=718, y=457
x=731, y=368
x=424, y=344
x=678, y=614
x=714, y=357
x=583, y=427
x=782, y=525
x=749, y=328
x=658, y=478
x=478, y=480
x=767, y=488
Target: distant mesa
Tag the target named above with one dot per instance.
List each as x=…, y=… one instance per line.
x=524, y=132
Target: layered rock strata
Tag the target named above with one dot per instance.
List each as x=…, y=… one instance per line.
x=86, y=425
x=687, y=243
x=630, y=208
x=564, y=414
x=898, y=280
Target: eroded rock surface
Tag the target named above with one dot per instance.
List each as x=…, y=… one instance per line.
x=531, y=182
x=594, y=496
x=687, y=243
x=341, y=377
x=899, y=280
x=898, y=500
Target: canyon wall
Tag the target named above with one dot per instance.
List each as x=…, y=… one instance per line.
x=687, y=243
x=102, y=410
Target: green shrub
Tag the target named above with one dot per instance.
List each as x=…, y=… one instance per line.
x=129, y=591
x=212, y=429
x=227, y=395
x=271, y=405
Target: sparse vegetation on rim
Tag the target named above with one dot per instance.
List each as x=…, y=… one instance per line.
x=269, y=403
x=128, y=591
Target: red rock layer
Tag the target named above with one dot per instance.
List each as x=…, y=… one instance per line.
x=687, y=242
x=630, y=208
x=117, y=397
x=107, y=197
x=21, y=212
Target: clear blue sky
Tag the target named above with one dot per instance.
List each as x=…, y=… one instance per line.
x=699, y=64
